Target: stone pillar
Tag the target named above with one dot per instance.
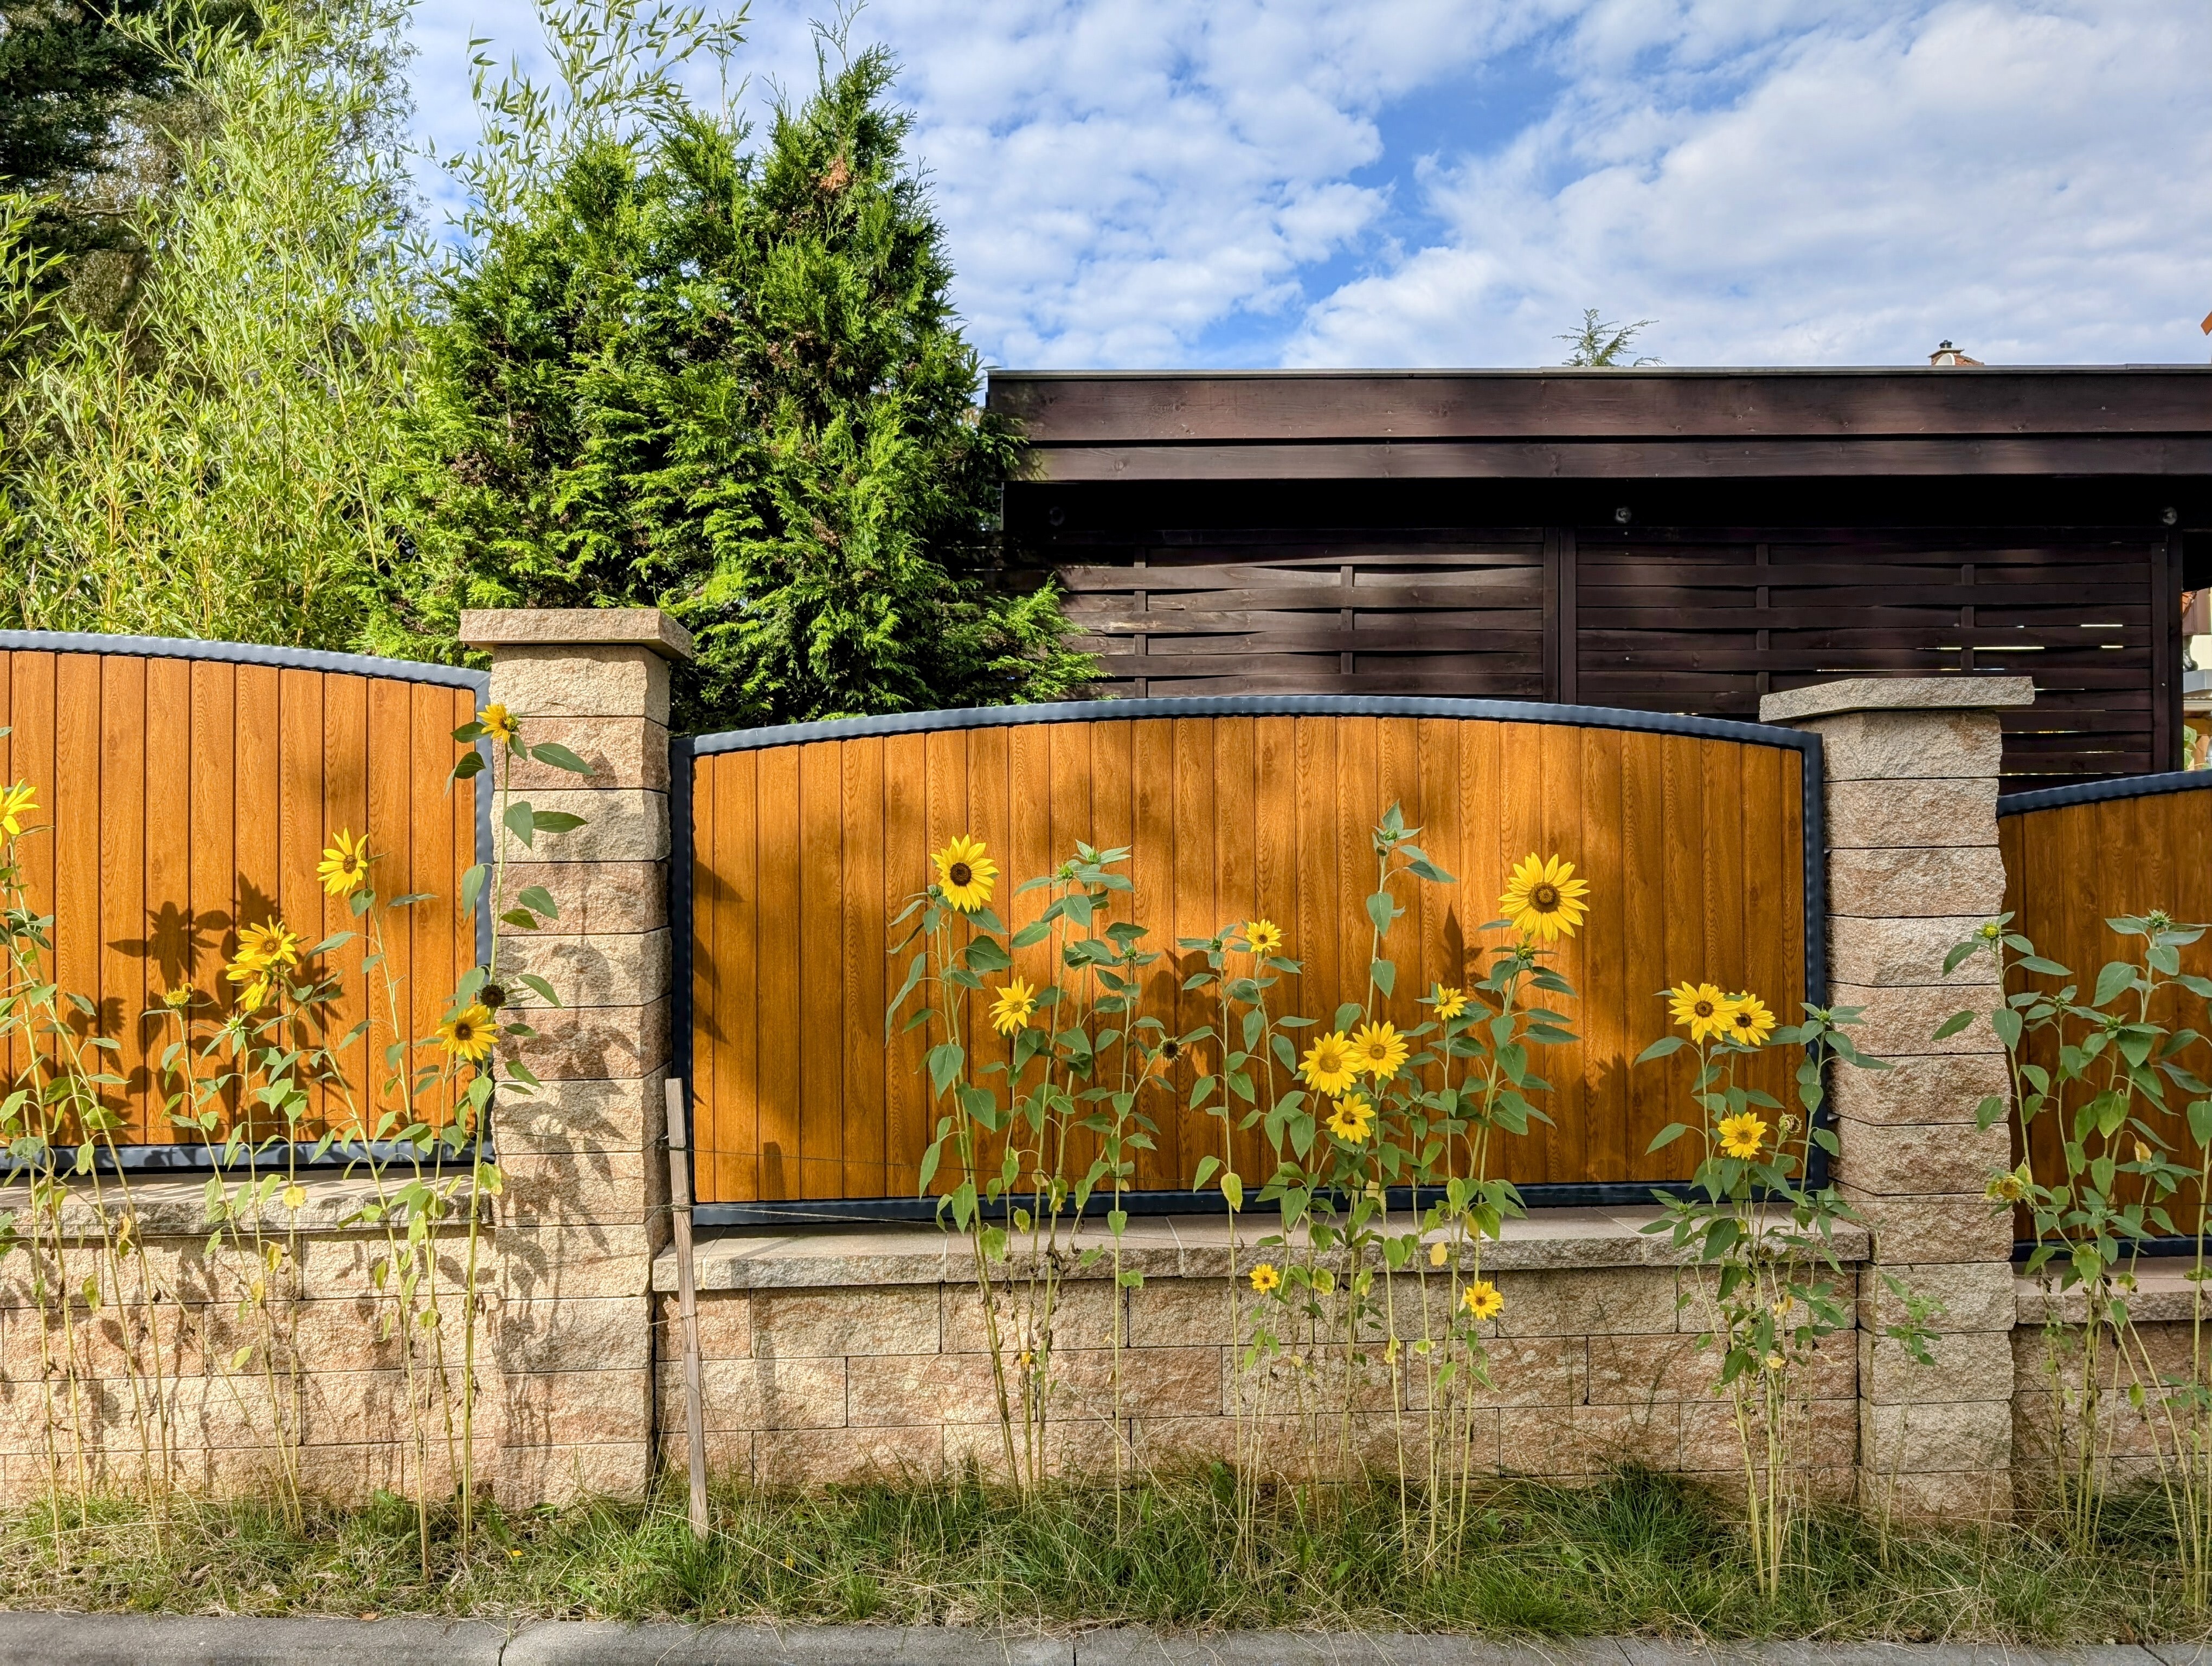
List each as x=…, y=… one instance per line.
x=1912, y=869
x=585, y=1206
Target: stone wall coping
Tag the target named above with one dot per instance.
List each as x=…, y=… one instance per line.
x=175, y=1206
x=1158, y=1246
x=1895, y=694
x=577, y=627
x=2163, y=1295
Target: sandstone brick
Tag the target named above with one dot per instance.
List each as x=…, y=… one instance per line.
x=1969, y=1365
x=529, y=1475
x=568, y=1263
x=1901, y=952
x=1883, y=814
x=610, y=970
x=621, y=825
x=1888, y=746
x=1904, y=1022
x=1082, y=1315
x=811, y=1458
x=1899, y=1159
x=1919, y=881
x=575, y=681
x=596, y=1043
x=1933, y=1229
x=609, y=1332
x=1970, y=1296
x=1916, y=1495
x=1822, y=1434
x=1159, y=1382
x=1582, y=1302
x=597, y=897
x=582, y=1114
x=622, y=751
x=797, y=1323
x=560, y=1188
x=1588, y=1440
x=1532, y=1370
x=1943, y=1087
x=763, y=1394
x=568, y=1407
x=726, y=1326
x=934, y=1388
x=1075, y=1446
x=1928, y=1437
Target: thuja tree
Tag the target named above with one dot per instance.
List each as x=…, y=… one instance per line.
x=677, y=373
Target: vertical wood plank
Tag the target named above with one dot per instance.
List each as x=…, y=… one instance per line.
x=1645, y=969
x=908, y=1125
x=215, y=875
x=438, y=929
x=77, y=916
x=1152, y=866
x=821, y=969
x=121, y=847
x=739, y=950
x=863, y=995
x=345, y=808
x=1237, y=900
x=168, y=952
x=1608, y=1045
x=390, y=815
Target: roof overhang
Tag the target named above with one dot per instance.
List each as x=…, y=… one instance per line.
x=1134, y=426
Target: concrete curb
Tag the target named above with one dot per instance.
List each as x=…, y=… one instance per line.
x=118, y=1639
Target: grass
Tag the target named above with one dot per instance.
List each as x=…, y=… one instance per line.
x=1639, y=1553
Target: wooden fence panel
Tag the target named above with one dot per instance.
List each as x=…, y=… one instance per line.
x=181, y=797
x=2113, y=851
x=801, y=852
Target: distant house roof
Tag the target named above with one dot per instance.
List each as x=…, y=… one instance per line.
x=1100, y=426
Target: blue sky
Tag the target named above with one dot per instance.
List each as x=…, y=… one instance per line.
x=1132, y=183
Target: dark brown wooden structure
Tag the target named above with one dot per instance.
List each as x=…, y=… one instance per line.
x=1665, y=540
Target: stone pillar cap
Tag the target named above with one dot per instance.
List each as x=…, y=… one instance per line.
x=1965, y=692
x=646, y=628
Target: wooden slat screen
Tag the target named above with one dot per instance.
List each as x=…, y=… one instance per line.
x=2071, y=868
x=181, y=799
x=802, y=852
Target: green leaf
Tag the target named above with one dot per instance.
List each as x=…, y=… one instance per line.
x=1384, y=974
x=541, y=989
x=521, y=919
x=522, y=822
x=553, y=752
x=1380, y=910
x=539, y=900
x=469, y=763
x=1661, y=1048
x=2116, y=975
x=558, y=821
x=1667, y=1136
x=472, y=885
x=1951, y=1025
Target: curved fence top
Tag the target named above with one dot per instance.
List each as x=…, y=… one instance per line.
x=243, y=654
x=1255, y=705
x=2102, y=791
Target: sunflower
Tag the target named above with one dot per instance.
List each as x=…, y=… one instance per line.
x=259, y=988
x=965, y=874
x=1263, y=937
x=498, y=722
x=1266, y=1280
x=1449, y=1003
x=1482, y=1300
x=468, y=1033
x=269, y=944
x=1775, y=1362
x=1703, y=1008
x=179, y=998
x=15, y=804
x=1010, y=1012
x=1378, y=1049
x=1352, y=1119
x=2007, y=1188
x=345, y=867
x=1749, y=1023
x=1329, y=1065
x=1543, y=899
x=1742, y=1134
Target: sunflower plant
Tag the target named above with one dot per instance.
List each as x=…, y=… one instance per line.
x=1770, y=1287
x=2099, y=1077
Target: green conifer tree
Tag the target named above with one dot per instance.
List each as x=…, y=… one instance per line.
x=730, y=384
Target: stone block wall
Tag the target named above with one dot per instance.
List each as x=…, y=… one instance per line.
x=863, y=1351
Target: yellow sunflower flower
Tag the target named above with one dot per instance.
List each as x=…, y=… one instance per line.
x=1742, y=1134
x=468, y=1034
x=1329, y=1066
x=1543, y=900
x=255, y=995
x=2007, y=1188
x=1449, y=1003
x=1703, y=1008
x=1266, y=1280
x=965, y=874
x=345, y=867
x=1263, y=937
x=1749, y=1023
x=1775, y=1362
x=15, y=804
x=498, y=722
x=1378, y=1049
x=1010, y=1012
x=1352, y=1119
x=1481, y=1299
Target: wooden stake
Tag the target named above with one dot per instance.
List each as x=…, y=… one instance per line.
x=687, y=1302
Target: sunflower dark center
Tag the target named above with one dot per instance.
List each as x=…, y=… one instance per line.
x=1545, y=897
x=1171, y=1050
x=960, y=874
x=1705, y=1009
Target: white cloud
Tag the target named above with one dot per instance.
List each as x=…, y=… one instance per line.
x=1773, y=180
